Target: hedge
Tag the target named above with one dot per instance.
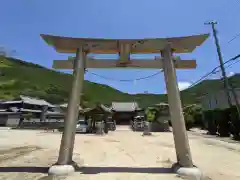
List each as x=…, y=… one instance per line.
x=223, y=122
x=210, y=122
x=234, y=123
x=193, y=116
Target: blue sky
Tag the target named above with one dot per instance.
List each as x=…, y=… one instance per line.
x=23, y=21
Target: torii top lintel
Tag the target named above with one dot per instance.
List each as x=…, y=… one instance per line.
x=113, y=46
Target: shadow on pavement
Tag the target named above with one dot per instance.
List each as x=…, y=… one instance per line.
x=92, y=170
x=147, y=170
x=29, y=169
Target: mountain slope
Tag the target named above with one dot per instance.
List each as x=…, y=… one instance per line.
x=19, y=77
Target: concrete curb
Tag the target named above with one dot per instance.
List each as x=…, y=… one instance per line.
x=146, y=133
x=192, y=173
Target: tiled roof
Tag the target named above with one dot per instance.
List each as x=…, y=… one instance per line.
x=124, y=106
x=29, y=100
x=105, y=108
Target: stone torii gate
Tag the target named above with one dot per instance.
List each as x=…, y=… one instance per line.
x=125, y=47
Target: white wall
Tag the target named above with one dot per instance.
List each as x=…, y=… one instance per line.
x=218, y=100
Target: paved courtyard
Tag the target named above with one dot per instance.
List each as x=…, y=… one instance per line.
x=120, y=155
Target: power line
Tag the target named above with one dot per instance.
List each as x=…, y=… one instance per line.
x=230, y=65
x=214, y=70
x=234, y=37
x=233, y=63
x=125, y=80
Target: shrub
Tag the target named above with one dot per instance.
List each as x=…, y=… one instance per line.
x=222, y=119
x=210, y=122
x=225, y=122
x=193, y=116
x=234, y=122
x=198, y=119
x=189, y=121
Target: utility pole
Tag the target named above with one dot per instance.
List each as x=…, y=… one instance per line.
x=225, y=79
x=227, y=85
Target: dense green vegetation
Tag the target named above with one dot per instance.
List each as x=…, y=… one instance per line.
x=222, y=122
x=19, y=77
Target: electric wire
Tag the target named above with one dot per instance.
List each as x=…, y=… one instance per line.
x=125, y=80
x=234, y=37
x=155, y=74
x=230, y=65
x=214, y=70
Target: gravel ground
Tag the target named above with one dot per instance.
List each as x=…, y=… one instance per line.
x=120, y=155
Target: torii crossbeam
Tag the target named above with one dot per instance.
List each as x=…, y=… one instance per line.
x=124, y=47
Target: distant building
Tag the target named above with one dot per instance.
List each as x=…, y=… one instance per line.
x=124, y=106
x=124, y=112
x=218, y=100
x=12, y=111
x=26, y=104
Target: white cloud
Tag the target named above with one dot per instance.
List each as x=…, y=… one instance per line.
x=182, y=86
x=230, y=74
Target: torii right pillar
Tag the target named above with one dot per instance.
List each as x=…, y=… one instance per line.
x=184, y=165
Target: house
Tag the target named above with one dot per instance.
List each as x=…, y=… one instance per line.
x=26, y=104
x=218, y=100
x=124, y=112
x=98, y=110
x=31, y=109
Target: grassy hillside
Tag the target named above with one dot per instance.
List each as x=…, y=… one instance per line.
x=19, y=77
x=208, y=86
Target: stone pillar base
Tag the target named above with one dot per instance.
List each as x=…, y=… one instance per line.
x=61, y=170
x=192, y=173
x=147, y=129
x=99, y=126
x=146, y=133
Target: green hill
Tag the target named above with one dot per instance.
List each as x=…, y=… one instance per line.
x=18, y=77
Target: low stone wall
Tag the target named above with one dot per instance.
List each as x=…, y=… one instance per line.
x=3, y=120
x=41, y=125
x=12, y=122
x=9, y=119
x=34, y=123
x=160, y=127
x=156, y=127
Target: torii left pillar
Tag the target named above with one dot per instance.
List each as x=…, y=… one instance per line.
x=65, y=164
